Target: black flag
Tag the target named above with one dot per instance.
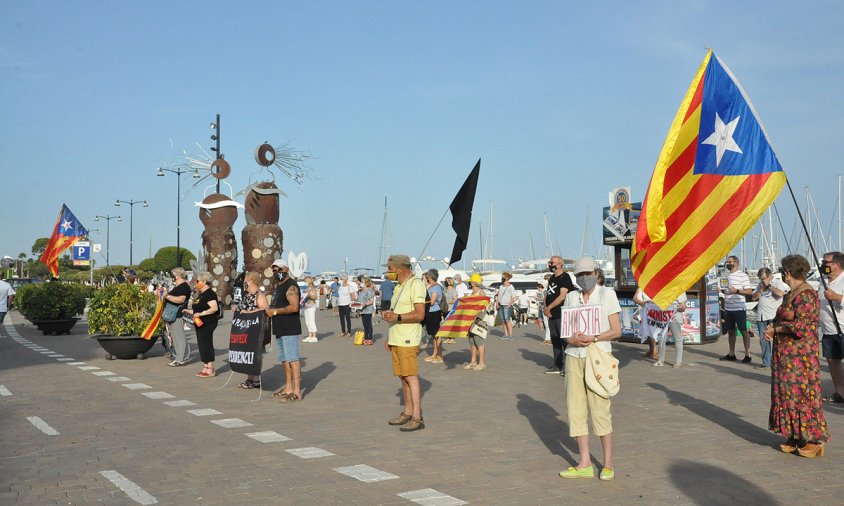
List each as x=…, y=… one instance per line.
x=461, y=213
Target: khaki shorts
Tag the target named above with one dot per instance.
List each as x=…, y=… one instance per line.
x=405, y=362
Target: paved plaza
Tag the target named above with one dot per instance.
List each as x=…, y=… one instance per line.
x=79, y=429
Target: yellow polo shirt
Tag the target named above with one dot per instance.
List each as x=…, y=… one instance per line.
x=405, y=295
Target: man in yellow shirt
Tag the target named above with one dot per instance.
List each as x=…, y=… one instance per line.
x=407, y=311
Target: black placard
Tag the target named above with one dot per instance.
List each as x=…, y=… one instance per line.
x=245, y=342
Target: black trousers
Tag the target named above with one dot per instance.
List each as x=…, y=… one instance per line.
x=557, y=343
x=345, y=318
x=366, y=319
x=205, y=341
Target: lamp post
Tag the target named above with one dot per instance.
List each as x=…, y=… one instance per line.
x=178, y=173
x=131, y=208
x=108, y=219
x=216, y=137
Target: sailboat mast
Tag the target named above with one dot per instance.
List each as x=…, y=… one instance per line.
x=547, y=236
x=382, y=250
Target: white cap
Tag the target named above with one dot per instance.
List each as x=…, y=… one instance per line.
x=279, y=263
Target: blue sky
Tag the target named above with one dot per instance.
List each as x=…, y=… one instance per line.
x=563, y=101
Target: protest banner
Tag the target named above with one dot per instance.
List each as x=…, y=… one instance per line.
x=245, y=342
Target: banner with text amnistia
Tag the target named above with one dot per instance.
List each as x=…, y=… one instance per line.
x=245, y=342
x=584, y=319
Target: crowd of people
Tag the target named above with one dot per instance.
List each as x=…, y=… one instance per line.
x=795, y=322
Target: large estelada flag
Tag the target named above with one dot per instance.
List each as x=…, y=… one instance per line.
x=67, y=231
x=457, y=323
x=715, y=177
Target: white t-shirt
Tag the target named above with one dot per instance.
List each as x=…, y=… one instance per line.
x=609, y=305
x=462, y=290
x=506, y=295
x=736, y=301
x=827, y=323
x=344, y=295
x=6, y=291
x=524, y=300
x=768, y=304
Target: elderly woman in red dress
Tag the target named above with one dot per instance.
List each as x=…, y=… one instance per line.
x=796, y=404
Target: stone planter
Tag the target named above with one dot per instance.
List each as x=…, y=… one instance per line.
x=125, y=347
x=55, y=326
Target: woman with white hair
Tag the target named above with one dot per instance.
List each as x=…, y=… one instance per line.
x=204, y=310
x=253, y=301
x=310, y=308
x=179, y=295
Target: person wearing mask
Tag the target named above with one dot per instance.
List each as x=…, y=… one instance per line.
x=833, y=339
x=504, y=300
x=642, y=300
x=559, y=286
x=404, y=316
x=582, y=402
x=450, y=299
x=796, y=403
x=204, y=310
x=735, y=308
x=433, y=317
x=287, y=327
x=768, y=293
x=178, y=295
x=253, y=300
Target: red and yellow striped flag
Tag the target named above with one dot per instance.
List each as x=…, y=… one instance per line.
x=460, y=319
x=149, y=331
x=714, y=178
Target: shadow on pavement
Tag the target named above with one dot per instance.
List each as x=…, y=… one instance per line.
x=730, y=421
x=424, y=386
x=764, y=375
x=543, y=360
x=545, y=422
x=456, y=358
x=310, y=378
x=707, y=484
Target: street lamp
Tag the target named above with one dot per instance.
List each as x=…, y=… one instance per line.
x=131, y=208
x=108, y=219
x=178, y=173
x=216, y=137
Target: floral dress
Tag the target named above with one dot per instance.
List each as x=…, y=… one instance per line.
x=796, y=404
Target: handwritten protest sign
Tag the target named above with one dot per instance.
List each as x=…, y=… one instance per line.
x=584, y=319
x=245, y=342
x=655, y=321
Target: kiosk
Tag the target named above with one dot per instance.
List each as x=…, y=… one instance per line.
x=703, y=315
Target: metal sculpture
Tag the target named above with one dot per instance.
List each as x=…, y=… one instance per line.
x=218, y=214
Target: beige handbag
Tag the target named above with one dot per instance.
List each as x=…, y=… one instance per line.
x=601, y=372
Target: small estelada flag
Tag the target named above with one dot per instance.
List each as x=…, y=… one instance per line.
x=67, y=231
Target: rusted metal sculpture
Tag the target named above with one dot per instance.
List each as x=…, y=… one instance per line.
x=218, y=213
x=262, y=238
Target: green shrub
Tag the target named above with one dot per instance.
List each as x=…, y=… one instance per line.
x=51, y=301
x=122, y=309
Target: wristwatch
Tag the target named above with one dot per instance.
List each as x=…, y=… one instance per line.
x=595, y=340
x=398, y=317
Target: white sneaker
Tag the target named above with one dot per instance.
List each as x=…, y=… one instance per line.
x=658, y=363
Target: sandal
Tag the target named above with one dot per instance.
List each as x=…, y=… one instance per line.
x=250, y=384
x=835, y=398
x=280, y=394
x=289, y=398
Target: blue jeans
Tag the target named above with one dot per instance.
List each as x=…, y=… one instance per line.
x=761, y=325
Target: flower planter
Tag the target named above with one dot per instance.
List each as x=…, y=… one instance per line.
x=55, y=326
x=125, y=347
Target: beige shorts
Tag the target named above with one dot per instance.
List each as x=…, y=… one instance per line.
x=405, y=362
